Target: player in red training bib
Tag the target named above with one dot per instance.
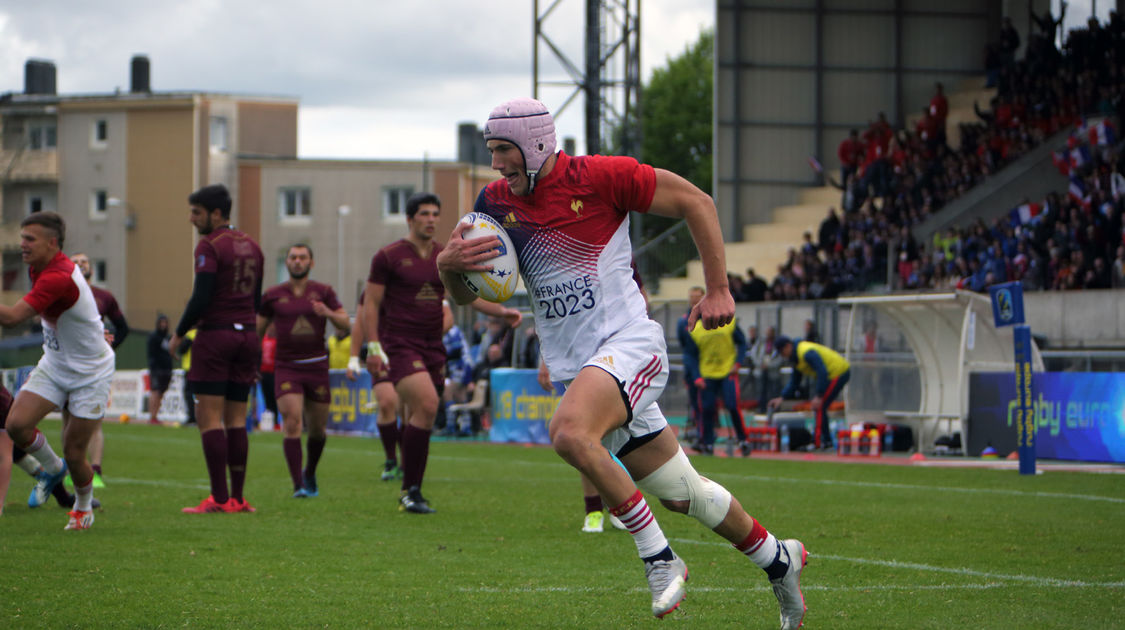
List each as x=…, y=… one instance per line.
x=568, y=218
x=224, y=356
x=403, y=325
x=76, y=368
x=299, y=310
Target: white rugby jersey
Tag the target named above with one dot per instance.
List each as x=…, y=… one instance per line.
x=572, y=239
x=73, y=333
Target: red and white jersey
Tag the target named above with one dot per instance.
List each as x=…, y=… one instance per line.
x=571, y=236
x=73, y=333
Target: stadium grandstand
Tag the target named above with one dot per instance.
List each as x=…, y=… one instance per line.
x=1012, y=176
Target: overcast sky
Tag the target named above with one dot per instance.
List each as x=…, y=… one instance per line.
x=375, y=79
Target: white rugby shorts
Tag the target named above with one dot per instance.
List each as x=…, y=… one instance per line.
x=637, y=357
x=84, y=395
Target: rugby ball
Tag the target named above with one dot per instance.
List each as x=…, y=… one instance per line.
x=498, y=284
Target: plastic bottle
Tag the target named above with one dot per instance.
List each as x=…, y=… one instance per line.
x=784, y=430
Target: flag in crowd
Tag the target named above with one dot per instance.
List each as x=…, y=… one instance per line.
x=1102, y=134
x=1079, y=156
x=1077, y=189
x=1024, y=214
x=1059, y=159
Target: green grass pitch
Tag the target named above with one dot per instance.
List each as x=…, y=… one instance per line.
x=890, y=547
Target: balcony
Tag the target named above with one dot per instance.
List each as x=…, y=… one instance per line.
x=28, y=166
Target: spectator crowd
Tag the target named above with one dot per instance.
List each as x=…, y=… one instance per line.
x=894, y=179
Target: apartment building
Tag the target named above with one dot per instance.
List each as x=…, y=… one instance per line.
x=119, y=166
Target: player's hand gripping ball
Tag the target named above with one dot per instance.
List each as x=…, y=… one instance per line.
x=499, y=284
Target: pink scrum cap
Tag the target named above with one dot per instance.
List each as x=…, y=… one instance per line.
x=526, y=123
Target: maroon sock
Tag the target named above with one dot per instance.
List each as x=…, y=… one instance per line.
x=292, y=449
x=238, y=449
x=316, y=447
x=389, y=434
x=97, y=468
x=593, y=503
x=61, y=495
x=415, y=451
x=215, y=452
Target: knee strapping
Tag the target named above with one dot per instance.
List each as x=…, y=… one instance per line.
x=677, y=480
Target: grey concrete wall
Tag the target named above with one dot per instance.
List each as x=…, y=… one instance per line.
x=1029, y=178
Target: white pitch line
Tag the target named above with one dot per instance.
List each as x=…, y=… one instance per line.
x=895, y=564
x=906, y=486
x=862, y=588
x=740, y=477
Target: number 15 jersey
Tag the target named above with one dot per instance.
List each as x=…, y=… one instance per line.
x=236, y=260
x=571, y=237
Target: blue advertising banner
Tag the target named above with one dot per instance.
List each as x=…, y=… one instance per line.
x=353, y=408
x=520, y=407
x=1078, y=415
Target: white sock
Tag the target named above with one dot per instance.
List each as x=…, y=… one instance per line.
x=30, y=465
x=84, y=497
x=765, y=553
x=41, y=451
x=640, y=522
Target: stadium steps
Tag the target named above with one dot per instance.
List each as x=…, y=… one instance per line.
x=764, y=246
x=961, y=99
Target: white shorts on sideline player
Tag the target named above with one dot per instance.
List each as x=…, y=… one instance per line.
x=84, y=395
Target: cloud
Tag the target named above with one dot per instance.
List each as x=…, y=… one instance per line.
x=417, y=68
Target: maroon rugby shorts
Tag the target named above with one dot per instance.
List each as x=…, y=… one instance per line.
x=409, y=356
x=310, y=379
x=225, y=356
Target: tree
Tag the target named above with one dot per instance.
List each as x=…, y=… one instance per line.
x=676, y=119
x=676, y=116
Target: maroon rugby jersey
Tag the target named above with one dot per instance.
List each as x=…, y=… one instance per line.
x=413, y=292
x=107, y=304
x=300, y=331
x=236, y=260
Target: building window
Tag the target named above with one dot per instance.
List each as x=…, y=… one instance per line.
x=34, y=204
x=294, y=204
x=394, y=200
x=99, y=133
x=42, y=137
x=218, y=134
x=99, y=202
x=282, y=270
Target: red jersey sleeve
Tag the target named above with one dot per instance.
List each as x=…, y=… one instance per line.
x=628, y=184
x=50, y=287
